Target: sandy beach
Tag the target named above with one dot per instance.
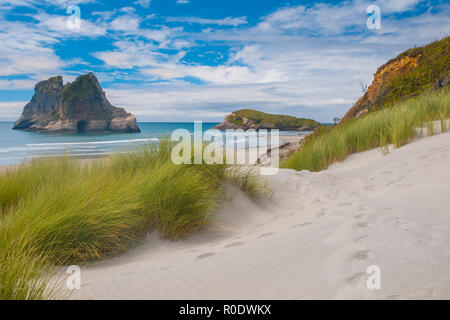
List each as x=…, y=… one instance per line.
x=314, y=239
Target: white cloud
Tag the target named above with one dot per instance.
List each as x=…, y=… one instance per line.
x=228, y=21
x=215, y=75
x=320, y=19
x=389, y=6
x=9, y=4
x=57, y=25
x=143, y=3
x=133, y=53
x=164, y=35
x=17, y=84
x=127, y=23
x=213, y=102
x=33, y=3
x=63, y=3
x=27, y=47
x=182, y=1
x=25, y=50
x=130, y=54
x=425, y=28
x=11, y=110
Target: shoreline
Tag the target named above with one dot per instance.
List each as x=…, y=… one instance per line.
x=289, y=143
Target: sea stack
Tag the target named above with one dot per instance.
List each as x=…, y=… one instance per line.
x=77, y=107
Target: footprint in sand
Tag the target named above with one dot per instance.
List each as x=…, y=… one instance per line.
x=205, y=255
x=234, y=244
x=369, y=187
x=266, y=235
x=301, y=224
x=363, y=224
x=356, y=279
x=393, y=181
x=362, y=255
x=400, y=222
x=260, y=225
x=165, y=268
x=321, y=213
x=359, y=239
x=402, y=186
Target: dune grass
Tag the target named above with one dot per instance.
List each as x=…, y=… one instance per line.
x=396, y=125
x=246, y=179
x=25, y=275
x=55, y=212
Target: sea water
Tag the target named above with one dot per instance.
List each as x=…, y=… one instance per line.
x=17, y=146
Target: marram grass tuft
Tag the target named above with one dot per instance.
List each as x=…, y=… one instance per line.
x=55, y=212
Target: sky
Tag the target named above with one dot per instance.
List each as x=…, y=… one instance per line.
x=187, y=60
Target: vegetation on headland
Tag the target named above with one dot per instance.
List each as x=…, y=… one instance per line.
x=56, y=212
x=416, y=71
x=433, y=63
x=395, y=125
x=83, y=88
x=280, y=121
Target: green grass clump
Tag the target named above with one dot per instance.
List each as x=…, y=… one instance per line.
x=56, y=212
x=245, y=179
x=25, y=275
x=377, y=129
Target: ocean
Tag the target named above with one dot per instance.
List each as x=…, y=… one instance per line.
x=17, y=146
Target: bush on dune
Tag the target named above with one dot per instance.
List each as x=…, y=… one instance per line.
x=395, y=125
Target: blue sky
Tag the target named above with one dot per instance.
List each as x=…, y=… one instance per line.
x=185, y=60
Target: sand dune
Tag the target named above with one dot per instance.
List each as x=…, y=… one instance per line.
x=314, y=239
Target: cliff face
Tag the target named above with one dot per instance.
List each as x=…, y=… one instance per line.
x=411, y=73
x=80, y=106
x=251, y=119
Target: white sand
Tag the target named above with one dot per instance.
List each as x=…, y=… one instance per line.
x=315, y=239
